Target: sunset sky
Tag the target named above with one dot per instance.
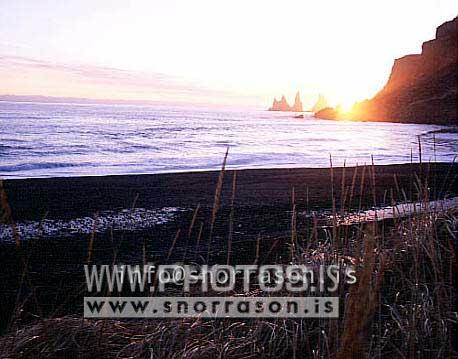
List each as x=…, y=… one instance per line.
x=231, y=52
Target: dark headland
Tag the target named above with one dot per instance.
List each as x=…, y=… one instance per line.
x=422, y=88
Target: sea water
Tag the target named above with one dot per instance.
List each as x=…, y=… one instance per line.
x=52, y=140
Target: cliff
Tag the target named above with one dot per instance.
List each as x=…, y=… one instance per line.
x=422, y=88
x=283, y=105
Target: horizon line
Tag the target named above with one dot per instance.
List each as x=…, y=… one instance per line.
x=107, y=101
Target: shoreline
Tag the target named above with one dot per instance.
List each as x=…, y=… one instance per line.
x=68, y=197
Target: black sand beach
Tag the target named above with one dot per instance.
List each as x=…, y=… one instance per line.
x=77, y=196
x=262, y=209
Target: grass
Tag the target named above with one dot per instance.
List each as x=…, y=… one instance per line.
x=403, y=304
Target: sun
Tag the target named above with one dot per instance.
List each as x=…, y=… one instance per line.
x=345, y=107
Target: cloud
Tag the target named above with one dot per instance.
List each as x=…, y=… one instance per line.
x=113, y=81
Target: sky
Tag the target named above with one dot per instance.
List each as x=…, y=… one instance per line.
x=241, y=52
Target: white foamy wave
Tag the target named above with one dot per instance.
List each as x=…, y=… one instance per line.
x=401, y=210
x=123, y=220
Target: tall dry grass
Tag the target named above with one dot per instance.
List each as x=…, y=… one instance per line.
x=402, y=306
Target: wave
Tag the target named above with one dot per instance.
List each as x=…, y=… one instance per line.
x=120, y=220
x=42, y=165
x=19, y=117
x=442, y=130
x=95, y=140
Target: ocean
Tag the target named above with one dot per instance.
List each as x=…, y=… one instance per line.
x=57, y=140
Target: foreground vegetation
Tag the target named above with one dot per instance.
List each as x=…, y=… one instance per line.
x=403, y=305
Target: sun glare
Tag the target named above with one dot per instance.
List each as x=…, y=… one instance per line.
x=345, y=107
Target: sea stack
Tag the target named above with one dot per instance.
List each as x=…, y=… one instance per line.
x=283, y=104
x=320, y=104
x=297, y=107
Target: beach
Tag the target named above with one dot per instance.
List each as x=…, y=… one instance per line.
x=67, y=197
x=263, y=203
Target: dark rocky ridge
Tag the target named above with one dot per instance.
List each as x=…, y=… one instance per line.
x=422, y=88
